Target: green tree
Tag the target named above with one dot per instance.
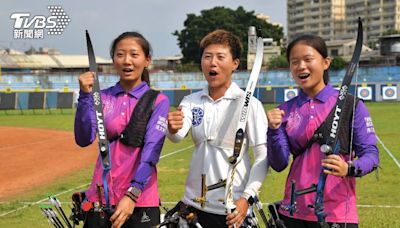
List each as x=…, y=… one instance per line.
x=237, y=21
x=279, y=61
x=337, y=63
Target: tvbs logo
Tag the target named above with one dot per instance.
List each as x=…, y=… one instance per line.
x=27, y=26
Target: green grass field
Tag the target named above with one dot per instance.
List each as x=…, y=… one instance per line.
x=377, y=189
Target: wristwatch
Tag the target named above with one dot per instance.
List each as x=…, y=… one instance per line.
x=351, y=171
x=133, y=193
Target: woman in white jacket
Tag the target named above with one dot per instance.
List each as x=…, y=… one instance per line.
x=212, y=115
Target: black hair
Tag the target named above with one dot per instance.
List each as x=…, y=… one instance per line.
x=142, y=42
x=315, y=42
x=224, y=37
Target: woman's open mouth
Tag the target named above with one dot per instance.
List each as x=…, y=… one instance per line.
x=212, y=73
x=304, y=76
x=127, y=70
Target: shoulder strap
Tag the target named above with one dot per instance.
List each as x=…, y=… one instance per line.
x=135, y=130
x=322, y=131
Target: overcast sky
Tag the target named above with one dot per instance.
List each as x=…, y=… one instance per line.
x=155, y=19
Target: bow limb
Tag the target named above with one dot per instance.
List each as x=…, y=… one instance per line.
x=241, y=128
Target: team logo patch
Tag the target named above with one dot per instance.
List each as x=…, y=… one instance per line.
x=294, y=121
x=198, y=115
x=369, y=125
x=162, y=124
x=108, y=106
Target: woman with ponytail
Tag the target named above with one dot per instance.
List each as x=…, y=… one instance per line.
x=132, y=181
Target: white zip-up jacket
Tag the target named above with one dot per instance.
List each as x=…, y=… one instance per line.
x=213, y=125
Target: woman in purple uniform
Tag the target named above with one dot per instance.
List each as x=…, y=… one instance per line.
x=291, y=127
x=132, y=181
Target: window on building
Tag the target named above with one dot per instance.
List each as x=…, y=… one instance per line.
x=299, y=4
x=334, y=52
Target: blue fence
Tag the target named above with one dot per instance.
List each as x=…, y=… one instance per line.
x=267, y=94
x=36, y=100
x=274, y=86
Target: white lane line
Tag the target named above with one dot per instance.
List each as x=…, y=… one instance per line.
x=175, y=152
x=79, y=187
x=388, y=152
x=41, y=201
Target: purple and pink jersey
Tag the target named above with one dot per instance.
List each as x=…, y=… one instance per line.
x=127, y=163
x=303, y=115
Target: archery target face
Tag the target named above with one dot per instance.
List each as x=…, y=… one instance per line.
x=290, y=93
x=364, y=93
x=389, y=92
